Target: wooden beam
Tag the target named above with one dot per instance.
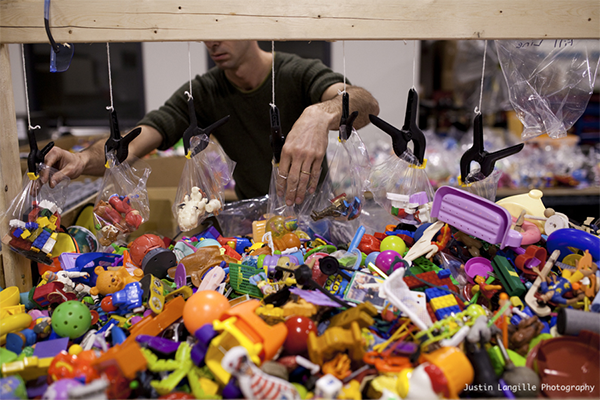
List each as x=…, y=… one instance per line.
x=21, y=21
x=16, y=268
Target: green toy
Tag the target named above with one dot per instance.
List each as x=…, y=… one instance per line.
x=71, y=319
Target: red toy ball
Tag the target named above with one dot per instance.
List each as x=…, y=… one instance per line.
x=297, y=338
x=142, y=245
x=203, y=308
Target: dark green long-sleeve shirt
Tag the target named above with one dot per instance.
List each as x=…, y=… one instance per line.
x=246, y=137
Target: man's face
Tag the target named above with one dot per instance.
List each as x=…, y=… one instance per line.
x=227, y=54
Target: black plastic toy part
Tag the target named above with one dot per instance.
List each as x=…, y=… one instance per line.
x=67, y=48
x=36, y=156
x=347, y=119
x=193, y=130
x=477, y=153
x=115, y=142
x=277, y=137
x=303, y=275
x=410, y=130
x=330, y=265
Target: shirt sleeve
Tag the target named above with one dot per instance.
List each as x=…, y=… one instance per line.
x=317, y=77
x=171, y=119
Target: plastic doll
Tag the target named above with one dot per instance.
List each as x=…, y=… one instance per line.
x=65, y=277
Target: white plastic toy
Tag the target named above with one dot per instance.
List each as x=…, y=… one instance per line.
x=193, y=207
x=254, y=383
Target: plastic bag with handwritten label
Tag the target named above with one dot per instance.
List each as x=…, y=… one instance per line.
x=549, y=81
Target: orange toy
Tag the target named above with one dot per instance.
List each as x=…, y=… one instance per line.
x=110, y=281
x=203, y=308
x=287, y=241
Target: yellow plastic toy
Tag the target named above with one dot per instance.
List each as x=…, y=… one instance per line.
x=14, y=323
x=110, y=281
x=29, y=368
x=530, y=202
x=9, y=302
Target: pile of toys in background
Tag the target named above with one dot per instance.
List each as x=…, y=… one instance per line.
x=487, y=300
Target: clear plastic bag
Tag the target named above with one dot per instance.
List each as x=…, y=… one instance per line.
x=237, y=217
x=34, y=216
x=122, y=204
x=203, y=180
x=400, y=185
x=333, y=211
x=276, y=204
x=549, y=81
x=482, y=186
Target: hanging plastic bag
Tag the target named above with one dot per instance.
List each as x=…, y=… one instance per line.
x=122, y=204
x=205, y=174
x=549, y=81
x=481, y=185
x=333, y=212
x=400, y=185
x=34, y=215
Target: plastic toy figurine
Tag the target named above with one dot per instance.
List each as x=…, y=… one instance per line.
x=254, y=383
x=340, y=208
x=193, y=207
x=133, y=219
x=108, y=235
x=554, y=289
x=129, y=299
x=65, y=277
x=110, y=281
x=521, y=335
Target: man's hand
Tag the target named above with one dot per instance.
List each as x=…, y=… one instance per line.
x=302, y=155
x=306, y=143
x=69, y=164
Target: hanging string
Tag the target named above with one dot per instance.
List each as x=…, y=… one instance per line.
x=26, y=92
x=273, y=72
x=478, y=109
x=189, y=94
x=111, y=107
x=344, y=62
x=414, y=64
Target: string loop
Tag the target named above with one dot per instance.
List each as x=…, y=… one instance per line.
x=26, y=91
x=478, y=108
x=111, y=107
x=189, y=94
x=272, y=104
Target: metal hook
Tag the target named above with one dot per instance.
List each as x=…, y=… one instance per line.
x=66, y=48
x=477, y=153
x=410, y=130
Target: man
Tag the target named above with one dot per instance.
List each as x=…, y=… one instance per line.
x=307, y=95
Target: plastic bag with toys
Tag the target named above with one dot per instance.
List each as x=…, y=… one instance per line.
x=400, y=185
x=333, y=211
x=122, y=204
x=34, y=215
x=205, y=174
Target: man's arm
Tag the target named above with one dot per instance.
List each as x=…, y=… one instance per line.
x=91, y=160
x=306, y=143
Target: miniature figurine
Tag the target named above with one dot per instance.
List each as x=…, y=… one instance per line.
x=65, y=277
x=133, y=219
x=254, y=383
x=193, y=207
x=110, y=281
x=340, y=208
x=521, y=335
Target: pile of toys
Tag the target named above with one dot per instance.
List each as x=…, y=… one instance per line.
x=487, y=300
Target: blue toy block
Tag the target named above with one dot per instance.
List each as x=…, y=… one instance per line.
x=434, y=292
x=31, y=226
x=18, y=232
x=444, y=312
x=444, y=273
